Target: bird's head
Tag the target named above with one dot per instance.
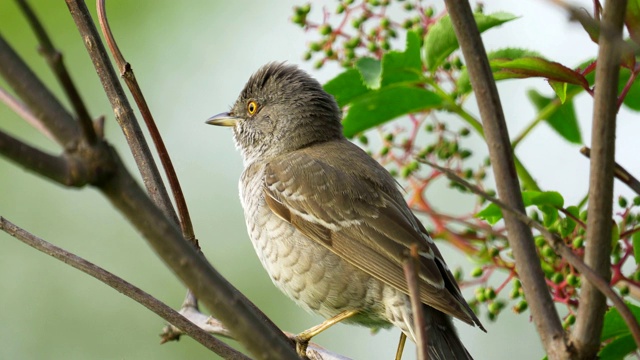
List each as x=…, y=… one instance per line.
x=280, y=109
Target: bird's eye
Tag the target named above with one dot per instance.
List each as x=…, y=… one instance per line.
x=252, y=107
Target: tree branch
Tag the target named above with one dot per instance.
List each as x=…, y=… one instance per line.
x=55, y=61
x=64, y=170
x=126, y=71
x=21, y=109
x=250, y=327
x=121, y=108
x=37, y=97
x=586, y=335
x=619, y=172
x=528, y=266
x=411, y=275
x=560, y=248
x=125, y=288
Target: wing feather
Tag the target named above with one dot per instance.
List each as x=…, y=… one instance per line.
x=367, y=222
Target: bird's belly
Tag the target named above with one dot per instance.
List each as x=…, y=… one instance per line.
x=314, y=277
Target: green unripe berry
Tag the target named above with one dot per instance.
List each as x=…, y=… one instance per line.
x=489, y=293
x=557, y=278
x=521, y=307
x=622, y=202
x=578, y=242
x=573, y=280
x=477, y=272
x=325, y=29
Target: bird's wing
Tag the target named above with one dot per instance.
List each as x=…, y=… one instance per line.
x=365, y=223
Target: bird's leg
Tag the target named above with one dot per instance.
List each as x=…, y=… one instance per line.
x=302, y=339
x=403, y=340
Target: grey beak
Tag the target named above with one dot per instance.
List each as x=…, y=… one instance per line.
x=223, y=119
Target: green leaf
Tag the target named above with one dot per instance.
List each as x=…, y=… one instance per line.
x=563, y=120
x=527, y=67
x=632, y=99
x=547, y=201
x=549, y=215
x=616, y=331
x=560, y=88
x=614, y=326
x=403, y=66
x=635, y=238
x=346, y=86
x=570, y=224
x=440, y=41
x=387, y=103
x=632, y=19
x=370, y=70
x=618, y=348
x=463, y=83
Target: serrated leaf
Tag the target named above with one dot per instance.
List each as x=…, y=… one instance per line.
x=379, y=106
x=440, y=41
x=371, y=71
x=346, y=86
x=463, y=83
x=526, y=67
x=547, y=201
x=563, y=120
x=403, y=66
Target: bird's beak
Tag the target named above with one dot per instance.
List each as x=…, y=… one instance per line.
x=223, y=119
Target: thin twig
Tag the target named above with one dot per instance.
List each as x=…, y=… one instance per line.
x=65, y=170
x=586, y=334
x=126, y=71
x=560, y=248
x=55, y=61
x=543, y=311
x=125, y=288
x=411, y=275
x=619, y=172
x=37, y=97
x=214, y=326
x=23, y=111
x=121, y=108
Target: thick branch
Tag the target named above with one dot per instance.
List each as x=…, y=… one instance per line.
x=260, y=336
x=37, y=97
x=122, y=109
x=63, y=170
x=586, y=336
x=562, y=249
x=125, y=288
x=528, y=266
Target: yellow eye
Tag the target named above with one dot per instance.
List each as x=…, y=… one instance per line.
x=252, y=107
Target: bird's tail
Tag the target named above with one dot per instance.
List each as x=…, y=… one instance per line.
x=442, y=339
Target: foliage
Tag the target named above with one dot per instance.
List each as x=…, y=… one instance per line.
x=427, y=80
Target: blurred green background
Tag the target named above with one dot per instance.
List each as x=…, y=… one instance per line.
x=192, y=58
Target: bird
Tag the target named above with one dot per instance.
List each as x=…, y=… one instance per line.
x=328, y=222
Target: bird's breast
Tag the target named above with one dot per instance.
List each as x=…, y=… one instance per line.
x=309, y=273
